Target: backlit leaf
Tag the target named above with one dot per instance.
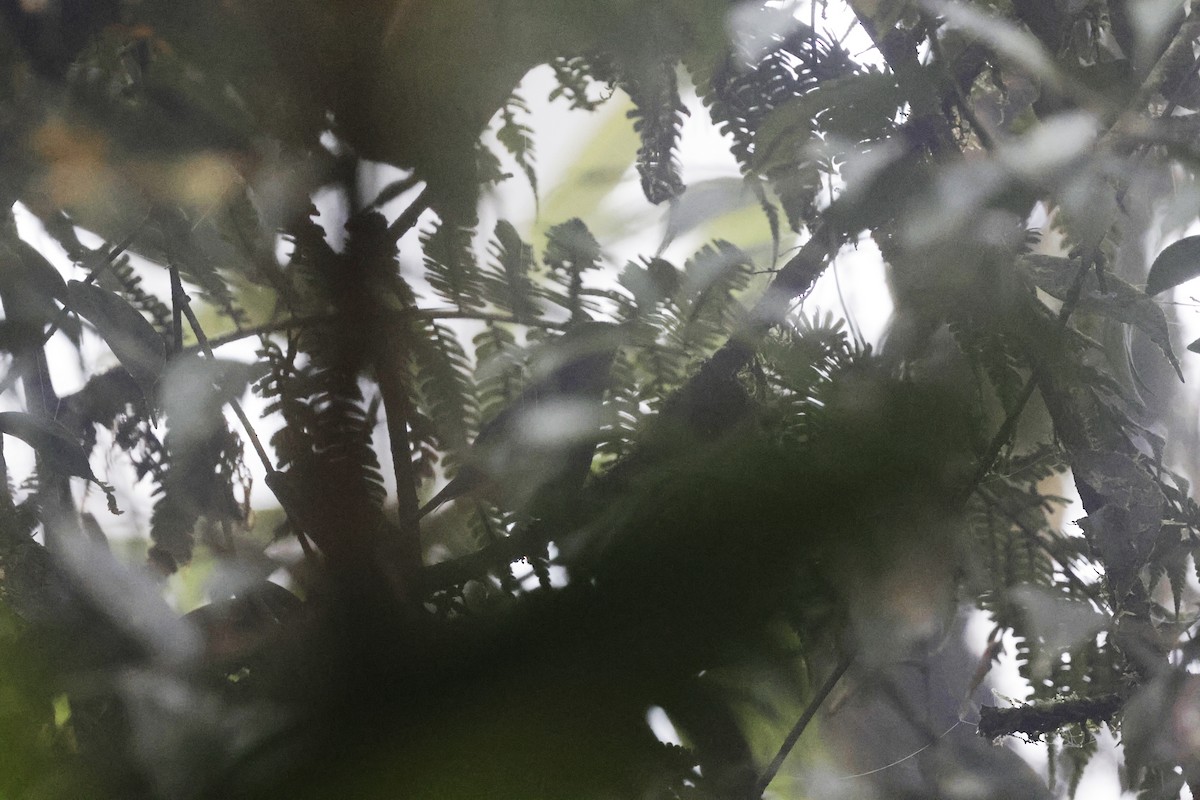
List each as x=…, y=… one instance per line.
x=1177, y=264
x=132, y=338
x=51, y=440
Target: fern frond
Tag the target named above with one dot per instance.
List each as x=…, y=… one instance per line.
x=198, y=481
x=1077, y=755
x=624, y=400
x=327, y=430
x=450, y=265
x=577, y=78
x=499, y=374
x=795, y=369
x=657, y=118
x=517, y=138
x=445, y=389
x=123, y=279
x=488, y=172
x=713, y=278
x=571, y=251
x=741, y=93
x=506, y=279
x=197, y=267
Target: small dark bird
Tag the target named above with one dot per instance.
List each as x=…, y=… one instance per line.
x=548, y=434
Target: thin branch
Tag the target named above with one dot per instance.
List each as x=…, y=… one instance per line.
x=902, y=759
x=1002, y=437
x=183, y=303
x=394, y=190
x=177, y=304
x=484, y=316
x=186, y=306
x=409, y=217
x=797, y=730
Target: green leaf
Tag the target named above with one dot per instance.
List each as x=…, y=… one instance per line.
x=1121, y=302
x=1179, y=263
x=132, y=338
x=52, y=441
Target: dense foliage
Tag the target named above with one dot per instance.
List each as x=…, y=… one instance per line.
x=666, y=492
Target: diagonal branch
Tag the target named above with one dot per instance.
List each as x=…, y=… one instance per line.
x=797, y=730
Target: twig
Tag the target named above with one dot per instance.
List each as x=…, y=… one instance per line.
x=902, y=759
x=797, y=730
x=457, y=571
x=183, y=303
x=409, y=217
x=394, y=190
x=178, y=301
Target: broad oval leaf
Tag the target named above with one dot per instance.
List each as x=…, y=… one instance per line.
x=41, y=273
x=51, y=440
x=1177, y=264
x=132, y=338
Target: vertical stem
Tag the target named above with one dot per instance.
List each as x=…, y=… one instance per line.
x=178, y=299
x=392, y=374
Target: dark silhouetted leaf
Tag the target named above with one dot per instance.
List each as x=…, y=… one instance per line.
x=132, y=338
x=1179, y=263
x=53, y=442
x=41, y=272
